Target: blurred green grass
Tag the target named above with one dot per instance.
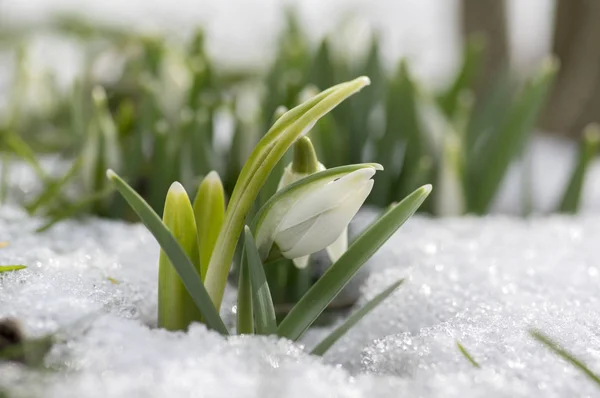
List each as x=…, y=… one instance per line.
x=161, y=119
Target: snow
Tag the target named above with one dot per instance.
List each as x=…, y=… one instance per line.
x=481, y=281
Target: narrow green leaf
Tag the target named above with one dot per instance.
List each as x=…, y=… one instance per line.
x=183, y=265
x=209, y=211
x=244, y=314
x=571, y=197
x=561, y=352
x=24, y=151
x=75, y=208
x=8, y=268
x=471, y=63
x=353, y=319
x=4, y=176
x=401, y=148
x=53, y=189
x=264, y=311
x=466, y=354
x=176, y=308
x=498, y=153
x=314, y=302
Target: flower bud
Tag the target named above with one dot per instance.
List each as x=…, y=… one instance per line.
x=314, y=212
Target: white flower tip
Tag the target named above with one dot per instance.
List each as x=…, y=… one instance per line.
x=213, y=177
x=364, y=80
x=377, y=166
x=365, y=173
x=111, y=175
x=426, y=189
x=177, y=189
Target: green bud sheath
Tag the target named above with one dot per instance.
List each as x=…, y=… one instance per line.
x=305, y=159
x=209, y=212
x=176, y=309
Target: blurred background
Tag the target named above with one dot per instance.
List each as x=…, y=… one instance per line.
x=462, y=90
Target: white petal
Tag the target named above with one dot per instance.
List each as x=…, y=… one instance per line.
x=301, y=262
x=325, y=227
x=339, y=247
x=328, y=197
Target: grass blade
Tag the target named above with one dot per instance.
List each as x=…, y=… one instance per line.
x=589, y=148
x=8, y=268
x=501, y=150
x=262, y=303
x=244, y=315
x=471, y=65
x=314, y=302
x=334, y=336
x=561, y=352
x=53, y=189
x=75, y=208
x=466, y=354
x=182, y=264
x=24, y=151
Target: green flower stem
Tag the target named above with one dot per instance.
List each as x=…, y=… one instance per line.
x=286, y=130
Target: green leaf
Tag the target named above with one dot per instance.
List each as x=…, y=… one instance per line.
x=471, y=64
x=8, y=268
x=176, y=308
x=183, y=265
x=52, y=190
x=209, y=211
x=262, y=303
x=571, y=197
x=75, y=208
x=244, y=314
x=30, y=352
x=561, y=352
x=4, y=175
x=314, y=302
x=499, y=151
x=24, y=151
x=401, y=148
x=286, y=130
x=334, y=336
x=466, y=354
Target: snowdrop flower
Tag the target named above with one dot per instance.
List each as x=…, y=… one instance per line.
x=314, y=215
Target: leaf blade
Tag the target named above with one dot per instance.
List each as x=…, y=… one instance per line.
x=314, y=302
x=9, y=268
x=262, y=303
x=334, y=336
x=182, y=264
x=561, y=352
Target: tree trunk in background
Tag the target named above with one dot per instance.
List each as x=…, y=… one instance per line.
x=575, y=99
x=488, y=17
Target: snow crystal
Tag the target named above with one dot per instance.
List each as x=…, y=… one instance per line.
x=483, y=282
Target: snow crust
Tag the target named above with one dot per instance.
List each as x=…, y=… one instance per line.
x=481, y=281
